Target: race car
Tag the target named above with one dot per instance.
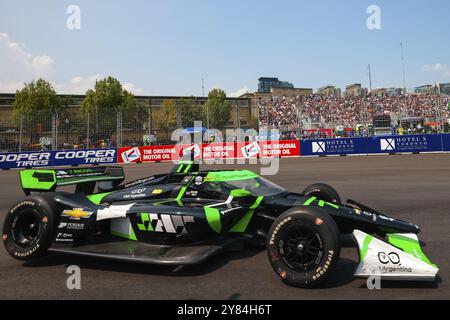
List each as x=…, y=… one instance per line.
x=187, y=216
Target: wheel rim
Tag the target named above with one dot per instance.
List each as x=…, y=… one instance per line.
x=26, y=228
x=301, y=248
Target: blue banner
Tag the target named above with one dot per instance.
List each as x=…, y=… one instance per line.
x=57, y=158
x=84, y=157
x=370, y=145
x=446, y=142
x=25, y=159
x=404, y=143
x=335, y=146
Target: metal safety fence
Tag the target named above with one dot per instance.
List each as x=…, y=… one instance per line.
x=303, y=117
x=70, y=128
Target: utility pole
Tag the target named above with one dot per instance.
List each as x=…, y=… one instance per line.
x=204, y=103
x=403, y=67
x=203, y=88
x=370, y=79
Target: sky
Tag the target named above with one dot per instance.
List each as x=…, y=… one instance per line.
x=167, y=47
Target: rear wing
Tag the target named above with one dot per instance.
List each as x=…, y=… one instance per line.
x=85, y=179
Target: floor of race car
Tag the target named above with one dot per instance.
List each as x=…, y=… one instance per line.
x=410, y=187
x=140, y=252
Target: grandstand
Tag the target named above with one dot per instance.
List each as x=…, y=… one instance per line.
x=331, y=111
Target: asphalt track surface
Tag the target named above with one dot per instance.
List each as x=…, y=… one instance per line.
x=410, y=187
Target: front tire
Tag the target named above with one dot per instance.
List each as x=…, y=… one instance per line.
x=322, y=191
x=303, y=246
x=29, y=228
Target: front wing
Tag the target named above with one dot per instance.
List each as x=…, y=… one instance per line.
x=398, y=258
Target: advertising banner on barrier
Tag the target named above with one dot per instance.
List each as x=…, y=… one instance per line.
x=57, y=158
x=382, y=144
x=83, y=157
x=281, y=149
x=446, y=142
x=25, y=159
x=229, y=150
x=335, y=146
x=148, y=154
x=210, y=151
x=404, y=143
x=226, y=150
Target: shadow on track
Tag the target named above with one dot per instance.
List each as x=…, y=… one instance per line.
x=386, y=284
x=211, y=265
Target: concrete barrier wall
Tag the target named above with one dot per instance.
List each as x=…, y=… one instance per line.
x=230, y=150
x=375, y=145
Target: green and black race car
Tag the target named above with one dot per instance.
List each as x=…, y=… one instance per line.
x=187, y=216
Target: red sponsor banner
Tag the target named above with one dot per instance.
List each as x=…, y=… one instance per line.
x=129, y=155
x=224, y=150
x=160, y=153
x=280, y=149
x=248, y=149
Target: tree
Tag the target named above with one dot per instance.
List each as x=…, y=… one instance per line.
x=102, y=104
x=36, y=96
x=34, y=107
x=108, y=95
x=217, y=109
x=166, y=118
x=189, y=112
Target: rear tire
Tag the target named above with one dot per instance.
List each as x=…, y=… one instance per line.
x=303, y=246
x=29, y=228
x=324, y=192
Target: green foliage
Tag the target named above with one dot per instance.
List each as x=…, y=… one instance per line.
x=218, y=109
x=132, y=111
x=190, y=113
x=166, y=117
x=102, y=104
x=36, y=96
x=108, y=95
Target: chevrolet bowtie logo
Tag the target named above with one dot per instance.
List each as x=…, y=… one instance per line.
x=77, y=213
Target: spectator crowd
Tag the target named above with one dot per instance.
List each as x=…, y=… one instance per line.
x=282, y=112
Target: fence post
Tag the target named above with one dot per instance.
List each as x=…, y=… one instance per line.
x=56, y=130
x=299, y=110
x=87, y=131
x=20, y=133
x=53, y=130
x=238, y=115
x=179, y=120
x=119, y=127
x=150, y=119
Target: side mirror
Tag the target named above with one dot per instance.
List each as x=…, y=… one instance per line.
x=240, y=193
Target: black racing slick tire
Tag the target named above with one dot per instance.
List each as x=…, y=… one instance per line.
x=303, y=246
x=29, y=228
x=323, y=192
